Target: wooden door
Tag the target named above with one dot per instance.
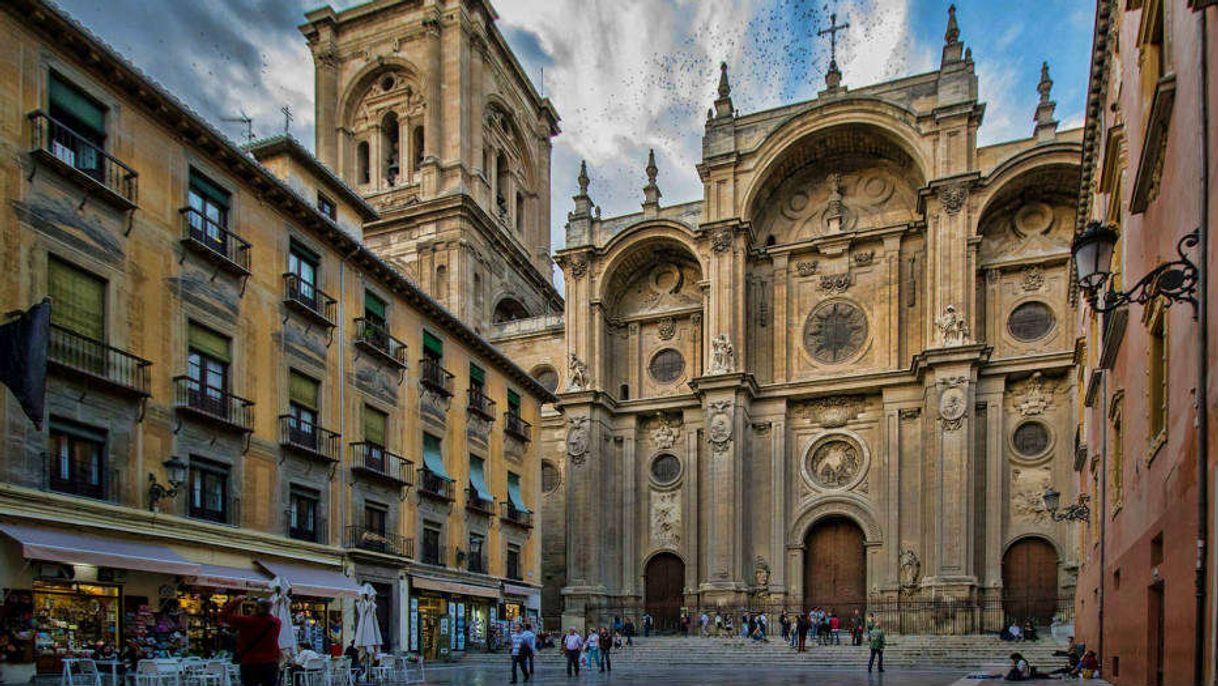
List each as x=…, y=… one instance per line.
x=664, y=582
x=1029, y=580
x=1156, y=627
x=835, y=567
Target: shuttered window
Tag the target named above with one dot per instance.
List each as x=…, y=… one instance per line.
x=374, y=425
x=78, y=299
x=513, y=401
x=207, y=189
x=432, y=345
x=70, y=106
x=374, y=309
x=477, y=375
x=209, y=343
x=303, y=390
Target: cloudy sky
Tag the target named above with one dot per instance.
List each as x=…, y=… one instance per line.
x=625, y=75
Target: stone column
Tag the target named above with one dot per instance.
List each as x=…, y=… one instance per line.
x=777, y=510
x=691, y=485
x=726, y=406
x=995, y=496
x=629, y=477
x=781, y=328
x=892, y=525
x=954, y=534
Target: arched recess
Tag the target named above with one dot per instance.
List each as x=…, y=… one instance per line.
x=1029, y=210
x=391, y=86
x=508, y=164
x=509, y=309
x=1029, y=580
x=835, y=566
x=652, y=302
x=838, y=505
x=663, y=589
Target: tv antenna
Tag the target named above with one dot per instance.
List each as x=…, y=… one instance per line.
x=245, y=120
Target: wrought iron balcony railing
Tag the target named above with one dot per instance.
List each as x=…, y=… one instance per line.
x=481, y=404
x=434, y=485
x=517, y=516
x=516, y=427
x=364, y=538
x=213, y=404
x=433, y=375
x=309, y=300
x=308, y=438
x=215, y=242
x=56, y=143
x=376, y=340
x=373, y=461
x=116, y=368
x=475, y=502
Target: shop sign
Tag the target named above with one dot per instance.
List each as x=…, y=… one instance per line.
x=414, y=624
x=460, y=626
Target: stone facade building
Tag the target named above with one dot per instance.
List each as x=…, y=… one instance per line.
x=842, y=377
x=1146, y=377
x=240, y=387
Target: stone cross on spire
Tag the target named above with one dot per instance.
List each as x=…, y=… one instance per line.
x=1046, y=125
x=723, y=105
x=651, y=192
x=833, y=77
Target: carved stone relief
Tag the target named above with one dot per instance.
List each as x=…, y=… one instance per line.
x=1033, y=279
x=848, y=198
x=1027, y=492
x=666, y=519
x=953, y=330
x=667, y=328
x=719, y=425
x=721, y=240
x=836, y=283
x=835, y=462
x=1035, y=401
x=952, y=403
x=723, y=355
x=953, y=197
x=579, y=379
x=577, y=440
x=911, y=569
x=863, y=258
x=807, y=267
x=832, y=412
x=835, y=331
x=663, y=433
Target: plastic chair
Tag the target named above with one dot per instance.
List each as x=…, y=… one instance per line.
x=80, y=672
x=314, y=673
x=159, y=672
x=413, y=671
x=339, y=672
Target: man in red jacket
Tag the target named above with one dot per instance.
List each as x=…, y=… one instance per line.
x=257, y=648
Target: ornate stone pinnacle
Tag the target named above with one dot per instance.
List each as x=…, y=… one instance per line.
x=725, y=89
x=953, y=30
x=1046, y=84
x=583, y=177
x=651, y=167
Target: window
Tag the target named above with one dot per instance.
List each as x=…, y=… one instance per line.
x=375, y=423
x=326, y=206
x=208, y=490
x=665, y=469
x=77, y=460
x=519, y=212
x=477, y=377
x=302, y=513
x=1031, y=439
x=513, y=403
x=509, y=310
x=390, y=131
x=431, y=543
x=78, y=132
x=302, y=266
x=207, y=212
x=361, y=161
x=207, y=366
x=479, y=495
x=303, y=393
x=375, y=517
x=667, y=366
x=375, y=310
x=501, y=179
x=1156, y=381
x=513, y=561
x=515, y=498
x=417, y=149
x=551, y=479
x=78, y=300
x=1030, y=321
x=433, y=346
x=476, y=562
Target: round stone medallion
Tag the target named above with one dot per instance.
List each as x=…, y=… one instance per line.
x=835, y=463
x=665, y=469
x=835, y=332
x=1031, y=321
x=1031, y=439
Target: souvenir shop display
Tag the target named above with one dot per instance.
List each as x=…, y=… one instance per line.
x=72, y=620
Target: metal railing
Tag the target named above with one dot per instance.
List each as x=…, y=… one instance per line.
x=433, y=375
x=213, y=403
x=77, y=477
x=305, y=436
x=118, y=368
x=477, y=503
x=317, y=534
x=480, y=403
x=375, y=338
x=516, y=427
x=57, y=140
x=308, y=298
x=374, y=460
x=215, y=241
x=364, y=538
x=517, y=516
x=434, y=485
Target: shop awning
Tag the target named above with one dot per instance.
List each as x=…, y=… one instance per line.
x=445, y=586
x=69, y=547
x=217, y=576
x=477, y=479
x=312, y=580
x=433, y=459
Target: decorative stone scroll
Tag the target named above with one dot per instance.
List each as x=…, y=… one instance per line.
x=836, y=283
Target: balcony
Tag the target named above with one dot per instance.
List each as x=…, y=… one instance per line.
x=82, y=161
x=374, y=462
x=309, y=301
x=474, y=503
x=374, y=339
x=434, y=485
x=514, y=515
x=302, y=532
x=363, y=538
x=213, y=405
x=215, y=243
x=516, y=427
x=119, y=370
x=307, y=439
x=480, y=404
x=433, y=375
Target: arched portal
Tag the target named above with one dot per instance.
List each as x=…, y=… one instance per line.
x=1029, y=581
x=664, y=581
x=835, y=566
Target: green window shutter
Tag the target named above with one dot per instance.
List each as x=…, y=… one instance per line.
x=432, y=344
x=303, y=390
x=208, y=189
x=513, y=400
x=374, y=425
x=63, y=96
x=209, y=343
x=78, y=300
x=477, y=374
x=373, y=305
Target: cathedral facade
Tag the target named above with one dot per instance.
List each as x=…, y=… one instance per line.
x=840, y=378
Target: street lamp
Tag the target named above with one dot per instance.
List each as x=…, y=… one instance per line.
x=1175, y=280
x=175, y=469
x=1074, y=512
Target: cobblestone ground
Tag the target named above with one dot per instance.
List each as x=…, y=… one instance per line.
x=691, y=675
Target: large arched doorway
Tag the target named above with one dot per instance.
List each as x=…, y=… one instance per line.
x=1029, y=581
x=835, y=567
x=664, y=581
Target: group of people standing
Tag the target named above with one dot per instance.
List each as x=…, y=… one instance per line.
x=595, y=647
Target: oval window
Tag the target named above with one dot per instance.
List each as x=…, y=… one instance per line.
x=667, y=366
x=1031, y=439
x=1031, y=321
x=665, y=469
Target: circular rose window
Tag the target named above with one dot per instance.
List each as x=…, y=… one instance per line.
x=665, y=469
x=1031, y=439
x=835, y=332
x=667, y=366
x=1031, y=321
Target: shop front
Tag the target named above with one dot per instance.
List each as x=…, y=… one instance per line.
x=448, y=617
x=317, y=595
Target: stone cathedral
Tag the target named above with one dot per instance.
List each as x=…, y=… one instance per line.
x=841, y=377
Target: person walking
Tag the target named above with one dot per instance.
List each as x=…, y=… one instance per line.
x=784, y=625
x=592, y=646
x=801, y=628
x=703, y=623
x=534, y=643
x=606, y=643
x=572, y=643
x=628, y=631
x=647, y=622
x=856, y=628
x=257, y=650
x=876, y=638
x=522, y=643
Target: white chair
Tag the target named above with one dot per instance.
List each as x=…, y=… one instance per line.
x=386, y=670
x=313, y=673
x=158, y=672
x=214, y=673
x=339, y=672
x=80, y=672
x=412, y=669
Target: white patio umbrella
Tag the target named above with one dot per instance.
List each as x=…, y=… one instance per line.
x=281, y=607
x=367, y=630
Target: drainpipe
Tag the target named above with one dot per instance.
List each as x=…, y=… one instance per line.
x=1102, y=514
x=342, y=390
x=1202, y=398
